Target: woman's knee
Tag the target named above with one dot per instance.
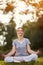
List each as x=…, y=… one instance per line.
x=8, y=59
x=35, y=56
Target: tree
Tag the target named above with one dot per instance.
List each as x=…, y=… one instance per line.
x=11, y=33
x=34, y=31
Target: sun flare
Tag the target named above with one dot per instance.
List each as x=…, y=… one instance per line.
x=22, y=11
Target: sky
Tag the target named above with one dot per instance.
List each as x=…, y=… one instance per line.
x=23, y=11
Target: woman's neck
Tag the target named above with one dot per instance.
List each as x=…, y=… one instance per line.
x=20, y=38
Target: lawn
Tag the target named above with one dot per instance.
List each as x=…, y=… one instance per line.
x=38, y=62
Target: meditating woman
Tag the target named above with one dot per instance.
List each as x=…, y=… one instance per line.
x=21, y=49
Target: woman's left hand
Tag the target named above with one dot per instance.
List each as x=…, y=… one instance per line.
x=39, y=52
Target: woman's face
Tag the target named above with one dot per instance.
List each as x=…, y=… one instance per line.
x=20, y=32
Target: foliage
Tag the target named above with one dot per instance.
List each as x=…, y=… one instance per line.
x=11, y=34
x=34, y=32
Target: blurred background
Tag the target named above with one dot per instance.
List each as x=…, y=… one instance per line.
x=26, y=13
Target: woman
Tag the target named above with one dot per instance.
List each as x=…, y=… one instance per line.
x=21, y=49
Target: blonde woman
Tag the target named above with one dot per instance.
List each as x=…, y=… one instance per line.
x=21, y=49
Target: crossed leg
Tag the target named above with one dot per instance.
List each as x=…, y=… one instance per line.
x=20, y=58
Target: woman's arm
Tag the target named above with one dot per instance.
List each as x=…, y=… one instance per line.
x=31, y=51
x=11, y=52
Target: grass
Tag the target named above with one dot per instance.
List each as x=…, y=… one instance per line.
x=12, y=63
x=38, y=62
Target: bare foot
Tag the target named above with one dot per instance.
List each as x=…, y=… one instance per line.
x=22, y=60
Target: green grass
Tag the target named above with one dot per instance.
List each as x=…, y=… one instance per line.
x=12, y=63
x=40, y=59
x=38, y=62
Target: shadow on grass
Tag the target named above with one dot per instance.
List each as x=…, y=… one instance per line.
x=12, y=63
x=22, y=63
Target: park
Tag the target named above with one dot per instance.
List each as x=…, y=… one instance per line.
x=29, y=15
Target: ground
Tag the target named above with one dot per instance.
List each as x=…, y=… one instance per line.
x=38, y=62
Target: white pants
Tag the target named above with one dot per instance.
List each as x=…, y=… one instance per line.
x=19, y=58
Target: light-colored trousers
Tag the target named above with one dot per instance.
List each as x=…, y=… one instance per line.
x=19, y=58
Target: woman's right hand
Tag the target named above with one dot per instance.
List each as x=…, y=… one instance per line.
x=2, y=55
